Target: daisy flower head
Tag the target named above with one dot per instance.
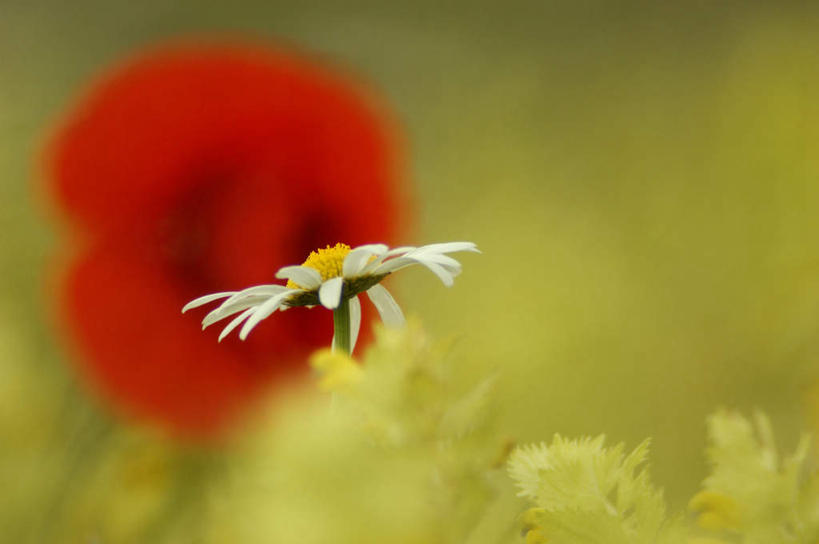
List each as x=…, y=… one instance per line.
x=333, y=277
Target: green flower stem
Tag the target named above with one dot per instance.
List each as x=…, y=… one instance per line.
x=341, y=323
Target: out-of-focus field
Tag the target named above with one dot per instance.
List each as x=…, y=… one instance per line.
x=643, y=181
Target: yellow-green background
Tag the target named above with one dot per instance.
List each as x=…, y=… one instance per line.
x=643, y=180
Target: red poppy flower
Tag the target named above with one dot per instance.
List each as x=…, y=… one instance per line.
x=196, y=169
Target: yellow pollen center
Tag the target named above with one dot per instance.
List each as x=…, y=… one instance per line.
x=328, y=261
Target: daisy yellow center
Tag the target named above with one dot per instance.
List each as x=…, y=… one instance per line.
x=328, y=261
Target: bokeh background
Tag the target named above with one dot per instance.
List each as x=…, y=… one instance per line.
x=643, y=180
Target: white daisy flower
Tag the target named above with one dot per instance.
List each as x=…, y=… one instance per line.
x=333, y=277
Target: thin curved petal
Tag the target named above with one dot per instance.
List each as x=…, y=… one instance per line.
x=358, y=258
x=399, y=250
x=443, y=260
x=355, y=321
x=228, y=309
x=266, y=290
x=262, y=312
x=235, y=323
x=375, y=249
x=375, y=263
x=443, y=274
x=330, y=293
x=393, y=264
x=449, y=247
x=306, y=277
x=388, y=309
x=195, y=303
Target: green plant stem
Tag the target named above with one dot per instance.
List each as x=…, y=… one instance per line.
x=341, y=324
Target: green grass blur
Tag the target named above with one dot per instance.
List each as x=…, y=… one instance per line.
x=643, y=179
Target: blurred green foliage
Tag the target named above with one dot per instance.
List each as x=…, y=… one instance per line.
x=400, y=453
x=586, y=493
x=755, y=489
x=642, y=179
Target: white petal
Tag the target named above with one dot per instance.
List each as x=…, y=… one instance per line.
x=375, y=249
x=205, y=299
x=262, y=311
x=267, y=290
x=330, y=293
x=371, y=267
x=229, y=308
x=388, y=309
x=399, y=250
x=443, y=260
x=443, y=274
x=357, y=259
x=233, y=324
x=355, y=321
x=306, y=277
x=393, y=264
x=449, y=247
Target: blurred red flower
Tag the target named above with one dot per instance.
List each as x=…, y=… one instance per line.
x=196, y=169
